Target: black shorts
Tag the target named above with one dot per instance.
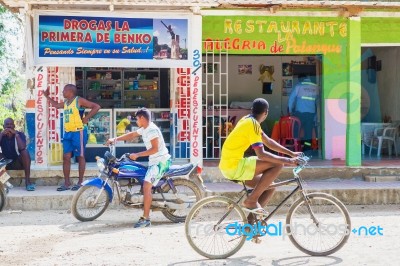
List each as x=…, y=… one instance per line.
x=15, y=164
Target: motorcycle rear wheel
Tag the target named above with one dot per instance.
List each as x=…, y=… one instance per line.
x=82, y=204
x=2, y=197
x=182, y=186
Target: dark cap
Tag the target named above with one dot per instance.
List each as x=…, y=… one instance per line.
x=260, y=106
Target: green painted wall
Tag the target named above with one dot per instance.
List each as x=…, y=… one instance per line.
x=353, y=134
x=380, y=30
x=327, y=36
x=287, y=36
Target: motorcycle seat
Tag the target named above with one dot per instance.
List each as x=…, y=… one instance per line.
x=4, y=162
x=175, y=170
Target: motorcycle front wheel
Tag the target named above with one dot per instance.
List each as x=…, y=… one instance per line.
x=188, y=188
x=89, y=203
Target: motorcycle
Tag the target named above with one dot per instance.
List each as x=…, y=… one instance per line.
x=174, y=195
x=4, y=184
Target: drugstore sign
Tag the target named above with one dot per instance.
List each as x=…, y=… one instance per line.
x=96, y=39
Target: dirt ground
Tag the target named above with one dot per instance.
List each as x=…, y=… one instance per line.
x=57, y=238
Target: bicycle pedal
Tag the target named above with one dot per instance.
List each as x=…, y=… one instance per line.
x=256, y=240
x=261, y=217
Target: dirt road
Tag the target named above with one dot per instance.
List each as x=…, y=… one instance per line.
x=57, y=238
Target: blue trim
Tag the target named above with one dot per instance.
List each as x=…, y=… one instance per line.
x=98, y=182
x=257, y=145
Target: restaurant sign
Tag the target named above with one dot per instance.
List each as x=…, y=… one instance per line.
x=275, y=35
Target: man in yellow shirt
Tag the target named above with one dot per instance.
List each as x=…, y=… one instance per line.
x=121, y=127
x=75, y=131
x=258, y=171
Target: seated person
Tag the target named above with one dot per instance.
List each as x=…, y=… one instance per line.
x=159, y=158
x=259, y=171
x=13, y=146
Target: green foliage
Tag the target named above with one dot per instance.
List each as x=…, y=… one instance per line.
x=12, y=89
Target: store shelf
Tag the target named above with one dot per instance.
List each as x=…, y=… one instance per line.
x=139, y=90
x=142, y=82
x=92, y=83
x=99, y=128
x=105, y=80
x=112, y=100
x=101, y=90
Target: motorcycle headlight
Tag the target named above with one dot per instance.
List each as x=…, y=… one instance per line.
x=100, y=164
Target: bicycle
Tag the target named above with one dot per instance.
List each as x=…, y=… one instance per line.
x=217, y=227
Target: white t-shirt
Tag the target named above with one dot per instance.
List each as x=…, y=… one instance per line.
x=150, y=133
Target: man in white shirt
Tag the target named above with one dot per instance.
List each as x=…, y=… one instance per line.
x=159, y=158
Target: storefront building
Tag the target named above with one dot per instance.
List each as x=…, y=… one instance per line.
x=380, y=95
x=122, y=61
x=268, y=50
x=198, y=64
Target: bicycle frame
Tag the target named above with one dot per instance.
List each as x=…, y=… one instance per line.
x=300, y=186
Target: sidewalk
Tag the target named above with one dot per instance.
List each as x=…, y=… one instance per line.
x=317, y=170
x=348, y=191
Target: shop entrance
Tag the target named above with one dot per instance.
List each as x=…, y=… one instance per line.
x=380, y=96
x=230, y=86
x=120, y=91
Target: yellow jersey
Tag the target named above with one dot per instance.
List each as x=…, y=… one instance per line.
x=73, y=116
x=246, y=133
x=121, y=127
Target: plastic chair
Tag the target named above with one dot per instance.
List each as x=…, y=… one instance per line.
x=289, y=129
x=381, y=135
x=211, y=135
x=232, y=119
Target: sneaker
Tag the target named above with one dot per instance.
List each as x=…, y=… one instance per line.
x=143, y=222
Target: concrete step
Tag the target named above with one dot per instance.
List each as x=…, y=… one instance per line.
x=381, y=178
x=348, y=191
x=53, y=175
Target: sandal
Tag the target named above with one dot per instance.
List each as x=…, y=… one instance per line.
x=63, y=188
x=30, y=187
x=75, y=187
x=257, y=211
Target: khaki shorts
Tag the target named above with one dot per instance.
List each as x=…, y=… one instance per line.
x=245, y=170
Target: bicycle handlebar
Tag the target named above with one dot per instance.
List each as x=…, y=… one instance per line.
x=303, y=162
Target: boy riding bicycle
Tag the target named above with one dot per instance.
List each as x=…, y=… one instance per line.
x=258, y=171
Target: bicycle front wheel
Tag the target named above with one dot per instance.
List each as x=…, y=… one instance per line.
x=213, y=227
x=320, y=226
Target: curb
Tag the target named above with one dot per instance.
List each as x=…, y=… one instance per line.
x=349, y=192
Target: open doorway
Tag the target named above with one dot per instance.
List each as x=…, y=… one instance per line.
x=380, y=96
x=273, y=78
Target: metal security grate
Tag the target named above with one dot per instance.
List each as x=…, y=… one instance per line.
x=215, y=97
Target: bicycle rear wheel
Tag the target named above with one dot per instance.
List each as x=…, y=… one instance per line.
x=206, y=227
x=325, y=234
